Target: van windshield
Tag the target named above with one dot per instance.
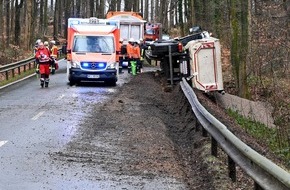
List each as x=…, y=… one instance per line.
x=94, y=44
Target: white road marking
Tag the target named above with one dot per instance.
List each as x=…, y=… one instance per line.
x=2, y=143
x=37, y=116
x=60, y=97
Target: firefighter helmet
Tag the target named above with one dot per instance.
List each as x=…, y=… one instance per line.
x=37, y=41
x=45, y=43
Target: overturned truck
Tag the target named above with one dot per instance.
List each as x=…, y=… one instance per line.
x=197, y=57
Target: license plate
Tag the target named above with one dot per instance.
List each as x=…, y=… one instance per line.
x=93, y=76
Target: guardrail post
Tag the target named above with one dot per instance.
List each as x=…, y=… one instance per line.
x=170, y=66
x=19, y=70
x=7, y=75
x=24, y=68
x=257, y=186
x=232, y=169
x=214, y=146
x=13, y=72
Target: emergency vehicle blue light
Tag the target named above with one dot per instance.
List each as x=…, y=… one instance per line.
x=85, y=64
x=101, y=65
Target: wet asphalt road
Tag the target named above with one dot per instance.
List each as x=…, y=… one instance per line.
x=35, y=122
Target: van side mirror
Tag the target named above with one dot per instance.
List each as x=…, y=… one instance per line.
x=63, y=49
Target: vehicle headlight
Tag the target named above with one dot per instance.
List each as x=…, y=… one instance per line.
x=75, y=64
x=112, y=65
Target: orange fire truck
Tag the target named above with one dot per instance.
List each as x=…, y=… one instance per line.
x=131, y=27
x=92, y=46
x=153, y=31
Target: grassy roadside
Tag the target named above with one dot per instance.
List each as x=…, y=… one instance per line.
x=265, y=134
x=23, y=74
x=17, y=77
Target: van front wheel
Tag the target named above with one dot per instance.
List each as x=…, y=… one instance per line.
x=72, y=82
x=111, y=82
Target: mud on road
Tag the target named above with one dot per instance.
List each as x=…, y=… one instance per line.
x=144, y=138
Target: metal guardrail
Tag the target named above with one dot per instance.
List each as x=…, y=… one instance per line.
x=10, y=70
x=265, y=173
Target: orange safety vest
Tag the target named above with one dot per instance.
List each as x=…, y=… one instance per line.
x=129, y=50
x=54, y=51
x=136, y=52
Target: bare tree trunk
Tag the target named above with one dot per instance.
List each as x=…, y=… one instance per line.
x=45, y=17
x=235, y=42
x=60, y=5
x=112, y=5
x=128, y=5
x=98, y=9
x=243, y=88
x=51, y=6
x=141, y=7
x=17, y=26
x=146, y=10
x=41, y=15
x=68, y=8
x=92, y=10
x=78, y=8
x=7, y=16
x=12, y=20
x=56, y=17
x=180, y=16
x=29, y=13
x=156, y=11
x=152, y=11
x=2, y=21
x=119, y=5
x=164, y=14
x=102, y=9
x=190, y=16
x=136, y=6
x=171, y=13
x=176, y=13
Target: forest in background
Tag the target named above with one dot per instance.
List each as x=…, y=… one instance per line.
x=254, y=34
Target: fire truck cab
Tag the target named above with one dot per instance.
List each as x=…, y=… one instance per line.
x=153, y=31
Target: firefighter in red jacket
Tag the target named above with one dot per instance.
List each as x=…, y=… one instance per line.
x=43, y=57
